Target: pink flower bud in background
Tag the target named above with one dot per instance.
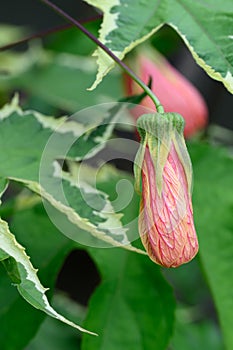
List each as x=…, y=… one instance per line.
x=163, y=170
x=173, y=90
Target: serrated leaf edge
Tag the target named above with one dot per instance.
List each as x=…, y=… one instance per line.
x=12, y=248
x=83, y=223
x=105, y=63
x=227, y=80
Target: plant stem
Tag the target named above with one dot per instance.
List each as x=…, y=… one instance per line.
x=45, y=33
x=76, y=23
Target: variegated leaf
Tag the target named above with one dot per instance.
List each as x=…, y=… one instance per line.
x=24, y=276
x=24, y=136
x=3, y=186
x=205, y=27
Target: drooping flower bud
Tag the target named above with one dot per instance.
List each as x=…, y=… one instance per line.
x=173, y=90
x=163, y=176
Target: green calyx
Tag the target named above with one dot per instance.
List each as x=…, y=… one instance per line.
x=158, y=132
x=158, y=125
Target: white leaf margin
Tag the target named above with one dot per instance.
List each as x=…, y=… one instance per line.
x=3, y=186
x=12, y=248
x=60, y=126
x=227, y=80
x=112, y=219
x=106, y=63
x=55, y=124
x=63, y=125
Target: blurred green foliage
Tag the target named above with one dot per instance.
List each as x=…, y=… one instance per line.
x=134, y=305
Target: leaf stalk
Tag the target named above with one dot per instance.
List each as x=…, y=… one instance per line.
x=125, y=68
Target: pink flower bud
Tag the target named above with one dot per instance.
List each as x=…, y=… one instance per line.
x=164, y=172
x=173, y=90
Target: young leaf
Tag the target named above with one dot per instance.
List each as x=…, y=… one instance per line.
x=205, y=27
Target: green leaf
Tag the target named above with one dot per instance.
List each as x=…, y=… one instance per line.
x=15, y=63
x=19, y=320
x=54, y=335
x=213, y=205
x=3, y=186
x=90, y=210
x=25, y=276
x=73, y=41
x=22, y=161
x=22, y=157
x=3, y=255
x=48, y=249
x=12, y=269
x=119, y=186
x=149, y=304
x=205, y=27
x=59, y=79
x=46, y=246
x=196, y=335
x=134, y=304
x=10, y=33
